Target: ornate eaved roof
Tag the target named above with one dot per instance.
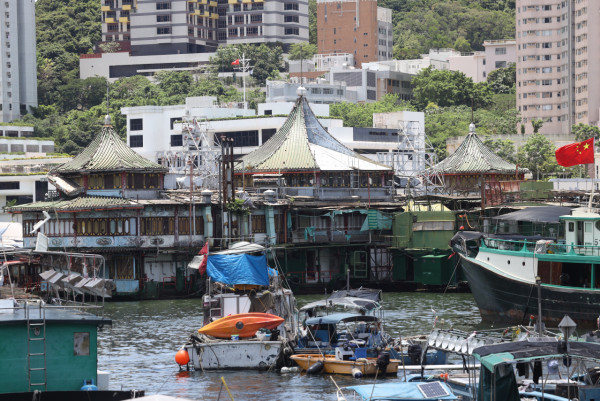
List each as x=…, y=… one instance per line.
x=302, y=144
x=79, y=204
x=106, y=153
x=472, y=156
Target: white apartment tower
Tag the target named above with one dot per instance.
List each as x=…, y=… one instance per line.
x=18, y=79
x=558, y=63
x=160, y=27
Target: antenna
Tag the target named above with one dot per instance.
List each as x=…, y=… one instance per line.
x=472, y=107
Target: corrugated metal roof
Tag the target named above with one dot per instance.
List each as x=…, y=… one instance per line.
x=66, y=185
x=472, y=156
x=296, y=143
x=107, y=152
x=80, y=203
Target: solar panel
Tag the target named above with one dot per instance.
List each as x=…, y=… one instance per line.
x=433, y=389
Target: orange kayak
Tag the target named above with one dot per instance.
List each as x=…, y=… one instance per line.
x=243, y=324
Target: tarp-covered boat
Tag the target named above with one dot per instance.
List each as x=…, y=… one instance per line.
x=240, y=283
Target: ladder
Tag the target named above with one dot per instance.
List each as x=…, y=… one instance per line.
x=36, y=349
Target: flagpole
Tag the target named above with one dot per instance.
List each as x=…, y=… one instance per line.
x=593, y=176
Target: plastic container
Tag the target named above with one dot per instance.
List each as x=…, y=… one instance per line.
x=262, y=336
x=235, y=337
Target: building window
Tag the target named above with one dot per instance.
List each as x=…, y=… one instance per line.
x=500, y=64
x=174, y=119
x=136, y=124
x=241, y=138
x=136, y=141
x=176, y=140
x=163, y=30
x=292, y=31
x=10, y=185
x=290, y=6
x=294, y=18
x=163, y=18
x=163, y=6
x=500, y=50
x=267, y=133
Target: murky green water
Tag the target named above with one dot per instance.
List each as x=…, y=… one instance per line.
x=139, y=349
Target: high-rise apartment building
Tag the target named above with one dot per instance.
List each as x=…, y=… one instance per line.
x=358, y=27
x=558, y=63
x=159, y=27
x=18, y=79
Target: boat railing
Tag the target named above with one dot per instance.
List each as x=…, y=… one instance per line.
x=36, y=309
x=540, y=247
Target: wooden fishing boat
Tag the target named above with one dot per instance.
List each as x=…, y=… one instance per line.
x=331, y=364
x=242, y=324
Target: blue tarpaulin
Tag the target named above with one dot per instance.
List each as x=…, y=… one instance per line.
x=238, y=269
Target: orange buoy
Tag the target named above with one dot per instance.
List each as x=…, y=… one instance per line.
x=182, y=357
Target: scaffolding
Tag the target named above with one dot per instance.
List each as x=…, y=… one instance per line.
x=413, y=157
x=198, y=156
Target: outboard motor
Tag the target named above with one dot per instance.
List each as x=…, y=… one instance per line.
x=414, y=353
x=383, y=360
x=275, y=334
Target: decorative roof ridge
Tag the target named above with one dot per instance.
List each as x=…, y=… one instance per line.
x=107, y=152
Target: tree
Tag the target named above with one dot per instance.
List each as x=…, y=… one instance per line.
x=174, y=82
x=537, y=125
x=505, y=148
x=502, y=80
x=462, y=45
x=312, y=22
x=302, y=51
x=448, y=88
x=584, y=131
x=361, y=115
x=538, y=155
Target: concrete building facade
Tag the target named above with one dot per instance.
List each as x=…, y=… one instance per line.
x=357, y=27
x=150, y=27
x=18, y=72
x=557, y=66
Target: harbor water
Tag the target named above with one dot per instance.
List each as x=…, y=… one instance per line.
x=139, y=349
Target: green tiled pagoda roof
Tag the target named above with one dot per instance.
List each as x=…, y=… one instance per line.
x=472, y=156
x=302, y=144
x=78, y=204
x=106, y=153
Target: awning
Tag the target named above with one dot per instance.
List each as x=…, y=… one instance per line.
x=66, y=185
x=341, y=317
x=538, y=214
x=522, y=351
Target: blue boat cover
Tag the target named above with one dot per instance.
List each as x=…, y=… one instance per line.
x=238, y=269
x=396, y=391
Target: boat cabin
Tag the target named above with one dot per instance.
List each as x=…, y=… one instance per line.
x=46, y=347
x=331, y=331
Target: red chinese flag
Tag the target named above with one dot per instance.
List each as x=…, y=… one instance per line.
x=236, y=62
x=576, y=153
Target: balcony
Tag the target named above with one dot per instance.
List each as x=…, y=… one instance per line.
x=233, y=2
x=212, y=4
x=104, y=8
x=109, y=20
x=214, y=16
x=126, y=7
x=124, y=20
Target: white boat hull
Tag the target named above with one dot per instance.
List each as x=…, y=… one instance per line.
x=242, y=354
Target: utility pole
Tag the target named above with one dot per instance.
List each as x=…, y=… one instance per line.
x=244, y=67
